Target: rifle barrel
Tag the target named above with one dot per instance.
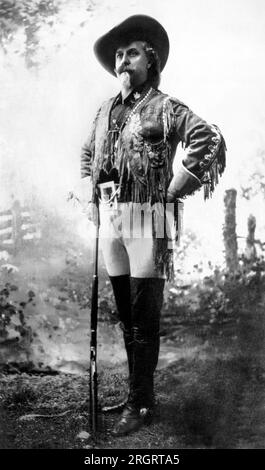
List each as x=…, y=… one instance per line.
x=93, y=337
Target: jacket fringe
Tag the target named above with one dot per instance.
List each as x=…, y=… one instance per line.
x=163, y=248
x=163, y=259
x=151, y=185
x=169, y=117
x=218, y=164
x=146, y=179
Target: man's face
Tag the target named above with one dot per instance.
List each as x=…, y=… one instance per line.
x=131, y=64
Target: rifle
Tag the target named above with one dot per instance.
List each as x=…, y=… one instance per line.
x=93, y=332
x=93, y=385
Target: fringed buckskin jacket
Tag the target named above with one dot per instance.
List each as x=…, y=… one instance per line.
x=142, y=151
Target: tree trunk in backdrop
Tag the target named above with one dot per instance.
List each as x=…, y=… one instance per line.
x=229, y=230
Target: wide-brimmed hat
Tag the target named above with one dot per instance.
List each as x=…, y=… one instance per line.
x=135, y=28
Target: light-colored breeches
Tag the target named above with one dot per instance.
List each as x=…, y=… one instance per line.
x=126, y=240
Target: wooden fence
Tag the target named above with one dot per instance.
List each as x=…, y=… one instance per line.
x=17, y=228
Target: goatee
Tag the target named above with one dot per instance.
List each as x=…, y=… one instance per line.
x=125, y=79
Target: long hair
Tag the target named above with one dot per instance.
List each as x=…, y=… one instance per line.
x=154, y=71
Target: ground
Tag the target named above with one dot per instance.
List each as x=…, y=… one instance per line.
x=211, y=396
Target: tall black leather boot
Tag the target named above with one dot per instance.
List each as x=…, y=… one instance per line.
x=146, y=303
x=122, y=295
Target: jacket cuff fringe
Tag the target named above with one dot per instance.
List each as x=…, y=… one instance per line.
x=216, y=166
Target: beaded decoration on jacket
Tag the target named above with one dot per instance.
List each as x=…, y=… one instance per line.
x=114, y=133
x=135, y=108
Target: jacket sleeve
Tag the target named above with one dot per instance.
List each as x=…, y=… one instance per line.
x=88, y=150
x=205, y=157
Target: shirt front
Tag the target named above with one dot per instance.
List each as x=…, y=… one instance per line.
x=120, y=111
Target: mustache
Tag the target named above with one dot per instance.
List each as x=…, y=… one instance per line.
x=123, y=68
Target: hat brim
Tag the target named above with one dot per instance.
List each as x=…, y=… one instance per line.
x=136, y=28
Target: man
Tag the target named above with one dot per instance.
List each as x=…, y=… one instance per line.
x=130, y=152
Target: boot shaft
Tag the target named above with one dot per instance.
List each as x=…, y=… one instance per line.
x=139, y=302
x=146, y=304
